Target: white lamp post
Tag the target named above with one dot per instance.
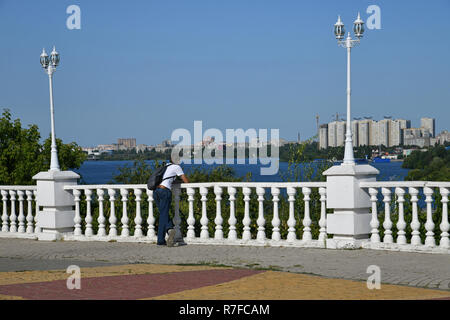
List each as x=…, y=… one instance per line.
x=349, y=43
x=50, y=64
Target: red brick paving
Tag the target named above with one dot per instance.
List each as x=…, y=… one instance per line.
x=125, y=286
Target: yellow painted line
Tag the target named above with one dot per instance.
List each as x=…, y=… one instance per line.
x=5, y=297
x=52, y=275
x=273, y=285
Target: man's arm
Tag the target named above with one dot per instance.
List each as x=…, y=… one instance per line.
x=184, y=178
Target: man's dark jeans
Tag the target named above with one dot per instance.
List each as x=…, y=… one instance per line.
x=163, y=199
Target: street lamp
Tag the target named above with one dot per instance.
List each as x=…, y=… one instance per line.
x=349, y=43
x=50, y=64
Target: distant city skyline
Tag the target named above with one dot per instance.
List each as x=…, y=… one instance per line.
x=145, y=68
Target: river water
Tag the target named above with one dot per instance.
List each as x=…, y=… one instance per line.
x=103, y=172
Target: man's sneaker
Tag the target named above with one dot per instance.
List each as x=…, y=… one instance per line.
x=171, y=238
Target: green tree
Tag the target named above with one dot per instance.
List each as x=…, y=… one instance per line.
x=22, y=155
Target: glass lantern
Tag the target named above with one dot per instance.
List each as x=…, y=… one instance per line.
x=44, y=59
x=54, y=57
x=358, y=27
x=339, y=29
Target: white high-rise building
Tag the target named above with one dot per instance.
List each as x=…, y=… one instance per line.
x=332, y=134
x=323, y=136
x=341, y=127
x=383, y=132
x=428, y=124
x=363, y=133
x=355, y=133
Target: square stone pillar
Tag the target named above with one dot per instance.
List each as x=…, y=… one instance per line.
x=57, y=214
x=350, y=222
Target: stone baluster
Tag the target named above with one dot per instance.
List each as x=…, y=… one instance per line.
x=204, y=233
x=5, y=226
x=387, y=224
x=12, y=217
x=307, y=236
x=261, y=235
x=323, y=215
x=374, y=223
x=138, y=218
x=429, y=225
x=21, y=217
x=444, y=226
x=88, y=231
x=125, y=230
x=176, y=216
x=101, y=215
x=275, y=220
x=112, y=214
x=30, y=218
x=246, y=234
x=232, y=234
x=218, y=220
x=37, y=228
x=291, y=221
x=77, y=219
x=415, y=224
x=151, y=233
x=191, y=219
x=401, y=224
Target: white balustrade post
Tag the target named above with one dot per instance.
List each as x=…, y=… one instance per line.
x=204, y=233
x=401, y=224
x=57, y=216
x=307, y=236
x=445, y=226
x=429, y=225
x=323, y=215
x=138, y=218
x=88, y=232
x=101, y=216
x=125, y=230
x=275, y=220
x=350, y=221
x=374, y=223
x=12, y=216
x=246, y=234
x=218, y=220
x=415, y=223
x=176, y=216
x=387, y=224
x=191, y=219
x=37, y=228
x=151, y=234
x=5, y=226
x=30, y=218
x=291, y=221
x=261, y=235
x=112, y=213
x=232, y=234
x=77, y=218
x=21, y=217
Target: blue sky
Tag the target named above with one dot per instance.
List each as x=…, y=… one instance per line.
x=143, y=68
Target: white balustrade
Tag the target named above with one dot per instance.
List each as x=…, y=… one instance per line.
x=291, y=221
x=307, y=219
x=261, y=235
x=444, y=226
x=246, y=234
x=276, y=219
x=112, y=213
x=429, y=225
x=138, y=218
x=387, y=224
x=151, y=233
x=374, y=223
x=191, y=219
x=232, y=234
x=401, y=224
x=12, y=216
x=125, y=232
x=204, y=234
x=218, y=220
x=88, y=231
x=101, y=215
x=77, y=219
x=323, y=216
x=17, y=215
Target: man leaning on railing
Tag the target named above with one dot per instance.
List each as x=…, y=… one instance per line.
x=163, y=199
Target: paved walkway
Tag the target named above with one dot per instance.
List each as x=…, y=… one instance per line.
x=257, y=273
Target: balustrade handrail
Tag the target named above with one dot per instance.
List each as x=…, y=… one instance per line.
x=203, y=184
x=24, y=188
x=405, y=184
